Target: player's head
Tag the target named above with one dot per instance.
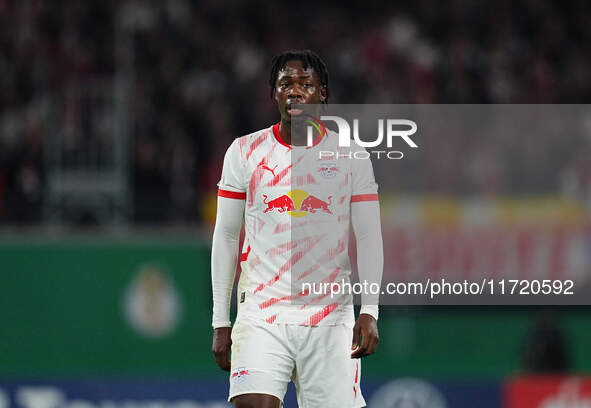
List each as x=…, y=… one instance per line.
x=298, y=77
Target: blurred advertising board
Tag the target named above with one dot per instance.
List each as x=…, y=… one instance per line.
x=402, y=392
x=113, y=394
x=493, y=241
x=548, y=392
x=526, y=237
x=142, y=309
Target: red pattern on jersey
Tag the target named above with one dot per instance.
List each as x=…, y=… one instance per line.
x=279, y=176
x=272, y=301
x=317, y=317
x=342, y=218
x=286, y=226
x=280, y=179
x=244, y=255
x=329, y=256
x=345, y=181
x=282, y=227
x=257, y=175
x=306, y=244
x=242, y=141
x=256, y=143
x=330, y=279
x=255, y=180
x=272, y=318
x=281, y=248
x=305, y=180
x=256, y=261
x=258, y=226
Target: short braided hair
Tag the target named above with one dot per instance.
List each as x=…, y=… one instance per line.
x=308, y=58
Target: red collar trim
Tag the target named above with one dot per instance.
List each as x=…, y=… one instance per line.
x=319, y=138
x=277, y=135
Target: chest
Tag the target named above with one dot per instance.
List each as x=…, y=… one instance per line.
x=299, y=184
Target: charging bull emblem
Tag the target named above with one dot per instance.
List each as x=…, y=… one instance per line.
x=282, y=203
x=298, y=203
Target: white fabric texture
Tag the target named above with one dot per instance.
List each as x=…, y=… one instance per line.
x=224, y=257
x=287, y=198
x=365, y=218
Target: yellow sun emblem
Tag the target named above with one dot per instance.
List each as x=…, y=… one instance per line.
x=297, y=196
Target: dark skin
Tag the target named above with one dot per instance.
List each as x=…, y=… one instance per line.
x=295, y=85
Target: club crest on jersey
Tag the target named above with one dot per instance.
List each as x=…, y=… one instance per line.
x=298, y=203
x=239, y=374
x=328, y=170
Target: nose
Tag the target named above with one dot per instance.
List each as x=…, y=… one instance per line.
x=295, y=93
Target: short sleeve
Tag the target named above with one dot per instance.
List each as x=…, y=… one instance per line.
x=232, y=183
x=365, y=187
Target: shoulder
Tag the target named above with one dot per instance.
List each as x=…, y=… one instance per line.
x=247, y=142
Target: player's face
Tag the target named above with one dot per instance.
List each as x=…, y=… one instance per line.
x=297, y=85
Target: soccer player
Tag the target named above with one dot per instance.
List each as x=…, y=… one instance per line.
x=287, y=194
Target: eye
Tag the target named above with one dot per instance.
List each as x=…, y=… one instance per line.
x=308, y=85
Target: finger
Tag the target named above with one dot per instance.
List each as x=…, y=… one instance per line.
x=226, y=362
x=365, y=344
x=360, y=352
x=373, y=345
x=223, y=361
x=362, y=349
x=365, y=339
x=356, y=332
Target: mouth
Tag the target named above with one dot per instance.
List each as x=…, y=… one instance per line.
x=293, y=111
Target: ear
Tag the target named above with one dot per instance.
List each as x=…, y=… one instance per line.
x=323, y=94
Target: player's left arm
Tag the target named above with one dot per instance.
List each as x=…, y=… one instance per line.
x=365, y=219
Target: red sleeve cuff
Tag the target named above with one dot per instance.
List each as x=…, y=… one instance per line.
x=231, y=194
x=364, y=197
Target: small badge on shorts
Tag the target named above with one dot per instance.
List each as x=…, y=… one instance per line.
x=239, y=374
x=242, y=296
x=328, y=170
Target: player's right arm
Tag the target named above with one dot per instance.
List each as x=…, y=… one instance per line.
x=224, y=254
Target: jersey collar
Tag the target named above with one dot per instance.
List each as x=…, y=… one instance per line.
x=317, y=140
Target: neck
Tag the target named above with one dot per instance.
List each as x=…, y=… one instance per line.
x=285, y=130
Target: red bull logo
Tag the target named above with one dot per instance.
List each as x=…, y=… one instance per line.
x=298, y=203
x=282, y=203
x=239, y=374
x=328, y=170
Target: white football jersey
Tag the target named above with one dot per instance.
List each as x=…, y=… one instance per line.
x=297, y=222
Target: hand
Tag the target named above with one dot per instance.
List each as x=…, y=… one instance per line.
x=366, y=327
x=222, y=340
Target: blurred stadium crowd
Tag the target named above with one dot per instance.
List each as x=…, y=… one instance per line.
x=195, y=74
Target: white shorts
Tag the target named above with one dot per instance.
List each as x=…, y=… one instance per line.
x=265, y=357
